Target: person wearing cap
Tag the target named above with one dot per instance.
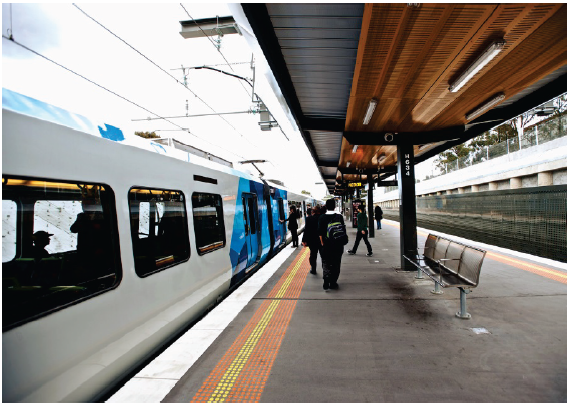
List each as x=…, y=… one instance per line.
x=41, y=239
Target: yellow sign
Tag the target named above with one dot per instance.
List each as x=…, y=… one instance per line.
x=358, y=184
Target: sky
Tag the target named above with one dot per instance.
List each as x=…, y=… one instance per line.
x=140, y=61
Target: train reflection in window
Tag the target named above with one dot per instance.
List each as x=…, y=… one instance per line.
x=208, y=222
x=159, y=229
x=58, y=245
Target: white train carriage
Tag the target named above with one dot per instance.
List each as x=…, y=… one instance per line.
x=110, y=250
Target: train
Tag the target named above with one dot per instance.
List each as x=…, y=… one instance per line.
x=110, y=250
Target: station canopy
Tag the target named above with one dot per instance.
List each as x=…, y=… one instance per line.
x=430, y=75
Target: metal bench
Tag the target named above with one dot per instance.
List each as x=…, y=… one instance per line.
x=449, y=264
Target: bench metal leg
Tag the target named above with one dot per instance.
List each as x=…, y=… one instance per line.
x=437, y=290
x=463, y=314
x=419, y=273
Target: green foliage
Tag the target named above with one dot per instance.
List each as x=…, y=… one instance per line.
x=146, y=135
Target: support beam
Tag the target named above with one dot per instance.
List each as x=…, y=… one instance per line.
x=407, y=204
x=370, y=221
x=323, y=124
x=353, y=171
x=393, y=138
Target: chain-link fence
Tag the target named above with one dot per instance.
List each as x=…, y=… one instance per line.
x=535, y=135
x=530, y=220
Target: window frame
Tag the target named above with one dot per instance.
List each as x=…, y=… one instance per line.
x=221, y=216
x=166, y=264
x=116, y=259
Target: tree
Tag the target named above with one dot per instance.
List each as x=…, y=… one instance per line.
x=511, y=129
x=452, y=154
x=146, y=135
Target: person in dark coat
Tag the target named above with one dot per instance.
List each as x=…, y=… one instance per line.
x=292, y=225
x=378, y=214
x=330, y=253
x=310, y=237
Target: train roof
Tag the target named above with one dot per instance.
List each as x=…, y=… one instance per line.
x=25, y=105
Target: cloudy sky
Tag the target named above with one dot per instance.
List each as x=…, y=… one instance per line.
x=136, y=52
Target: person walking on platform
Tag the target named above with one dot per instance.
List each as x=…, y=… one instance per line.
x=310, y=237
x=378, y=214
x=362, y=233
x=331, y=252
x=292, y=225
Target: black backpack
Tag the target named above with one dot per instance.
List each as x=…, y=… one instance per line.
x=336, y=231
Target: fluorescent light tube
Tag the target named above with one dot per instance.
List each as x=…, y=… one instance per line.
x=493, y=101
x=370, y=109
x=355, y=149
x=477, y=65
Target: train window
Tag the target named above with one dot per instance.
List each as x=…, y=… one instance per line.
x=208, y=222
x=281, y=209
x=159, y=229
x=9, y=217
x=252, y=209
x=245, y=219
x=59, y=246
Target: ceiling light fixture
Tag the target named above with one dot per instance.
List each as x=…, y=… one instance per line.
x=493, y=101
x=370, y=109
x=355, y=149
x=381, y=158
x=348, y=164
x=477, y=65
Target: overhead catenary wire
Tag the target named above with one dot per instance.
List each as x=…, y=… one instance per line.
x=163, y=70
x=115, y=94
x=213, y=43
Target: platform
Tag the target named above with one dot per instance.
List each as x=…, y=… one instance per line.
x=381, y=337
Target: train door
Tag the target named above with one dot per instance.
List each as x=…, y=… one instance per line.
x=282, y=226
x=252, y=232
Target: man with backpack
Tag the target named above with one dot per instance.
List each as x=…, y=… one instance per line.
x=332, y=232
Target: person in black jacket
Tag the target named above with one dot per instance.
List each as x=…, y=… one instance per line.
x=330, y=253
x=292, y=225
x=378, y=216
x=310, y=237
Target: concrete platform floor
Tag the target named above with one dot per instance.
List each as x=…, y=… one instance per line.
x=383, y=337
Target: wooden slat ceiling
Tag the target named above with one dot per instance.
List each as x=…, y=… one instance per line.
x=408, y=56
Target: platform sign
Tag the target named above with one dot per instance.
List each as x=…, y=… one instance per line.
x=355, y=184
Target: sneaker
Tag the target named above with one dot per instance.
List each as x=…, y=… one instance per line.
x=334, y=285
x=313, y=272
x=351, y=252
x=369, y=254
x=326, y=285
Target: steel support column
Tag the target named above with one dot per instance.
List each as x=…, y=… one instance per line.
x=371, y=228
x=407, y=203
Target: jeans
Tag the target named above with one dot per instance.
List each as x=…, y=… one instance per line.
x=378, y=224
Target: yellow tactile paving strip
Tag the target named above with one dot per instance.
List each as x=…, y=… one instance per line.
x=549, y=273
x=241, y=374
